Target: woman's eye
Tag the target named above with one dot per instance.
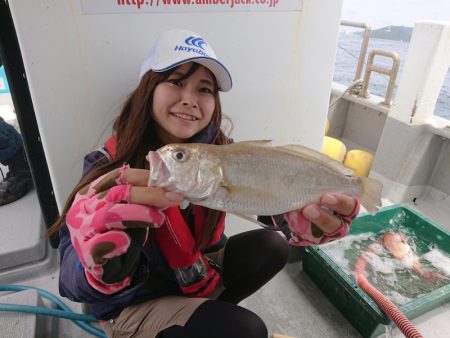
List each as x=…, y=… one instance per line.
x=179, y=156
x=206, y=90
x=175, y=82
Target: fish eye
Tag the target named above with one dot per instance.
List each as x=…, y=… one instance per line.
x=180, y=155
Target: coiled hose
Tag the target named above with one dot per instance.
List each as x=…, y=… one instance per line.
x=63, y=310
x=389, y=308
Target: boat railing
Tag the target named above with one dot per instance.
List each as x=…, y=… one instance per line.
x=364, y=44
x=362, y=88
x=391, y=72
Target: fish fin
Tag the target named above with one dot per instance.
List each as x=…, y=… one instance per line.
x=299, y=150
x=263, y=143
x=371, y=195
x=184, y=204
x=251, y=219
x=224, y=184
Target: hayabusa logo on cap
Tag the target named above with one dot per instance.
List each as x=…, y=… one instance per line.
x=197, y=42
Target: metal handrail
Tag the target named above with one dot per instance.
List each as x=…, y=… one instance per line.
x=392, y=73
x=364, y=44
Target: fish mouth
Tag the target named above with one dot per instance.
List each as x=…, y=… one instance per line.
x=159, y=173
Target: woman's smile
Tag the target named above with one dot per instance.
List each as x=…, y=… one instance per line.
x=184, y=116
x=183, y=106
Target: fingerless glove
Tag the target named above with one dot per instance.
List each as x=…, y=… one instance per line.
x=304, y=233
x=107, y=231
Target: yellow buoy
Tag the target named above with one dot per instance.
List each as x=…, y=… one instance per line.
x=334, y=148
x=360, y=161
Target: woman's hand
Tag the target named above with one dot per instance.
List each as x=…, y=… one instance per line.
x=339, y=204
x=151, y=196
x=108, y=230
x=175, y=240
x=323, y=222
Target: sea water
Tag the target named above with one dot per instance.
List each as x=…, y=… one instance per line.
x=398, y=280
x=349, y=47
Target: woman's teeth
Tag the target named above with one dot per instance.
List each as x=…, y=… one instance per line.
x=185, y=116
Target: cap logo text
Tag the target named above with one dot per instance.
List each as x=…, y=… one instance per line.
x=199, y=43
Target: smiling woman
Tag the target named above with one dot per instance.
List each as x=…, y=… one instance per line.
x=137, y=242
x=184, y=104
x=172, y=258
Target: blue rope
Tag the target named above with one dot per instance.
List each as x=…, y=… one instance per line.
x=64, y=312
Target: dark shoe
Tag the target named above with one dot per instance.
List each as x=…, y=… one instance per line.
x=18, y=180
x=15, y=185
x=17, y=162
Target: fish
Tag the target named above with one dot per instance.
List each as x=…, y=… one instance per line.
x=397, y=245
x=255, y=177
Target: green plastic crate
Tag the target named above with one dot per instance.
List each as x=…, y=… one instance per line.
x=357, y=307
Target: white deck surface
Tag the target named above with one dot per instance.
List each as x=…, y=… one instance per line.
x=290, y=304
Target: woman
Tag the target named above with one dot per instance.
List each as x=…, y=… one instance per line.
x=148, y=267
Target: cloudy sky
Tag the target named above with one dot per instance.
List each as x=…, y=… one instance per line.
x=380, y=13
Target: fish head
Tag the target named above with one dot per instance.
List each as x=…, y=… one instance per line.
x=189, y=169
x=396, y=244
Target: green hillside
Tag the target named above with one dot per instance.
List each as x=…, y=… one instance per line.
x=399, y=33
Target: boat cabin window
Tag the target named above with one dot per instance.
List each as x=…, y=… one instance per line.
x=27, y=204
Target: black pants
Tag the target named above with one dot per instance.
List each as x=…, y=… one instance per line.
x=250, y=260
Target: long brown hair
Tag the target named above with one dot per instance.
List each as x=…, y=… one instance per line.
x=135, y=137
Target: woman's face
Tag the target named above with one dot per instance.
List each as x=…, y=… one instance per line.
x=181, y=108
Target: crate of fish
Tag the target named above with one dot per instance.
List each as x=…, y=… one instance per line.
x=406, y=257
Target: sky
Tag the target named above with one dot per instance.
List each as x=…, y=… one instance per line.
x=381, y=13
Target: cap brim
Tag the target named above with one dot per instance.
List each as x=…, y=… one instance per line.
x=221, y=73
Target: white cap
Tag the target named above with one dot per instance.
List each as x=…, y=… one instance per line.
x=178, y=46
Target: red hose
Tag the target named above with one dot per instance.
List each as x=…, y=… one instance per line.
x=389, y=308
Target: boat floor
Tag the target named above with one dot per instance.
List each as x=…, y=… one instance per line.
x=290, y=304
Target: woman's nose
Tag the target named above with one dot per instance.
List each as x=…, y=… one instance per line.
x=189, y=99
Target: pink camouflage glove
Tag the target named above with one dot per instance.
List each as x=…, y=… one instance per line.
x=102, y=225
x=305, y=233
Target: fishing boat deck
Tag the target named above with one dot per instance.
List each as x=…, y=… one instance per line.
x=290, y=303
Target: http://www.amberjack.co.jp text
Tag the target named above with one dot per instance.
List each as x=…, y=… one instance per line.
x=198, y=3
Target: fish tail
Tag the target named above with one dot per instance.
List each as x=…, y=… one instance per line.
x=371, y=195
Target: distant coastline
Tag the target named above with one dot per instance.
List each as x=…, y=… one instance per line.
x=397, y=33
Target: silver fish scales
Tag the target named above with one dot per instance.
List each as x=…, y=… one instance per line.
x=254, y=177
